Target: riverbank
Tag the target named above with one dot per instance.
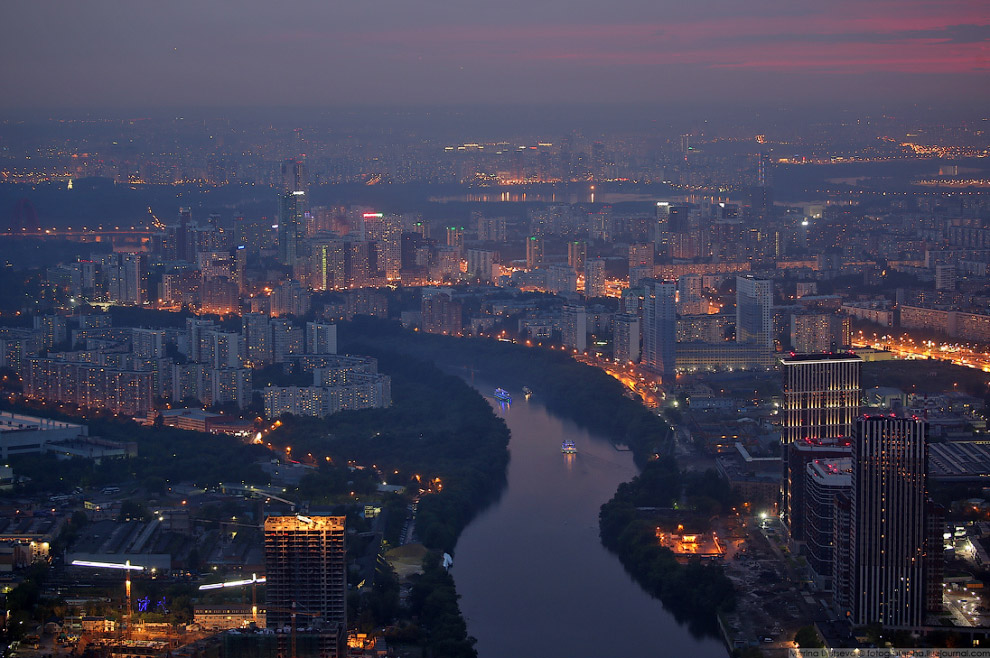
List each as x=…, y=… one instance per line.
x=596, y=401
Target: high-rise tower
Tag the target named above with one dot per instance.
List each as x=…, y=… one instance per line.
x=660, y=328
x=821, y=401
x=754, y=311
x=890, y=538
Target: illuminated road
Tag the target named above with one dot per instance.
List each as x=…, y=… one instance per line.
x=905, y=347
x=634, y=378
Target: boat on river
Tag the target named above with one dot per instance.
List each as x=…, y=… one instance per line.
x=502, y=395
x=527, y=391
x=567, y=447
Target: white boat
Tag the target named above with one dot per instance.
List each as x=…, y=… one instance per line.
x=503, y=395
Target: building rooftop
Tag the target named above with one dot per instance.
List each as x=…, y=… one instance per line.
x=11, y=422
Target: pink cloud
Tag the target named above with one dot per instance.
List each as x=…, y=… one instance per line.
x=850, y=37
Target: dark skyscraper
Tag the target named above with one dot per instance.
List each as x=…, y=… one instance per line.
x=660, y=328
x=291, y=225
x=890, y=537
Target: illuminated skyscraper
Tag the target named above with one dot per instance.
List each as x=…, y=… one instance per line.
x=821, y=401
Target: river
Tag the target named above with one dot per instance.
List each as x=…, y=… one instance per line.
x=534, y=578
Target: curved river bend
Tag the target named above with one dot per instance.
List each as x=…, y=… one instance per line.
x=533, y=575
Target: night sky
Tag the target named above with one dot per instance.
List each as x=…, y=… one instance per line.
x=352, y=52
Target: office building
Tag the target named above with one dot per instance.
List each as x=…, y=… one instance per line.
x=821, y=396
x=824, y=481
x=660, y=328
x=890, y=536
x=291, y=226
x=754, y=316
x=821, y=401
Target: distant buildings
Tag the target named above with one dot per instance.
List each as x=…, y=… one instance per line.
x=340, y=383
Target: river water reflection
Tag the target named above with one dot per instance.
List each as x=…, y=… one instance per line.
x=533, y=575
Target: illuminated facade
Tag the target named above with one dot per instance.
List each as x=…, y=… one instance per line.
x=90, y=385
x=821, y=396
x=821, y=401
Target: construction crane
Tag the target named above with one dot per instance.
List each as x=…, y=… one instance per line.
x=127, y=567
x=253, y=581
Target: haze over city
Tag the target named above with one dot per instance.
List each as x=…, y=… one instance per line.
x=846, y=53
x=477, y=330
